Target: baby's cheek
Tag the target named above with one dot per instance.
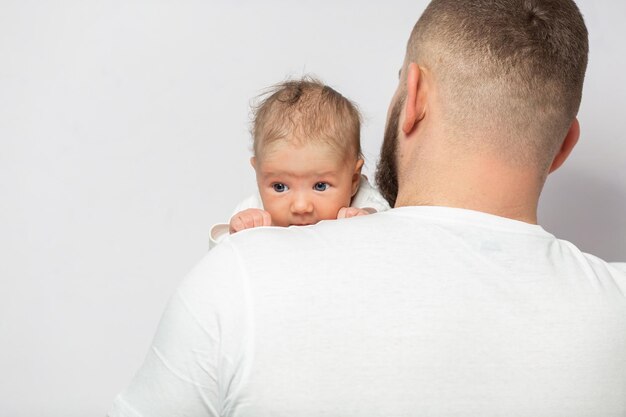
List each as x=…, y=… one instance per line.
x=332, y=212
x=278, y=218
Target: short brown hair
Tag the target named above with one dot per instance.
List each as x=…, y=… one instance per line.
x=515, y=67
x=306, y=110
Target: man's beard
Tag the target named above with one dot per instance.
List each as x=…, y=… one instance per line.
x=386, y=170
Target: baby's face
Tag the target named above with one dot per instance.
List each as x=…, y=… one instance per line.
x=302, y=184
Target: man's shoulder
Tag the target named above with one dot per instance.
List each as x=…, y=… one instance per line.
x=591, y=268
x=218, y=269
x=620, y=266
x=351, y=228
x=619, y=274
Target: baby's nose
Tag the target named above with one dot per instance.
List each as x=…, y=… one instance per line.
x=301, y=204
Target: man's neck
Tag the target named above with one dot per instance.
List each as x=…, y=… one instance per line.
x=481, y=184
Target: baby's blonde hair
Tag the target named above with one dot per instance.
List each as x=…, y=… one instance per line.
x=306, y=110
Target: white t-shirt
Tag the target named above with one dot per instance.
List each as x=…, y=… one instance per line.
x=417, y=311
x=365, y=197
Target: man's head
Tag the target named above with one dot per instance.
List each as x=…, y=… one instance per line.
x=504, y=78
x=307, y=152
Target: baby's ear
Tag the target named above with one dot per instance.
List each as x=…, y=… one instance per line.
x=356, y=177
x=358, y=166
x=253, y=162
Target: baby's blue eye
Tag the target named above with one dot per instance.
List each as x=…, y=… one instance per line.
x=321, y=186
x=279, y=187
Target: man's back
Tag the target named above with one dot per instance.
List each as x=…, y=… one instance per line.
x=416, y=311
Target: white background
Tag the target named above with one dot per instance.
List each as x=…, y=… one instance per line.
x=123, y=129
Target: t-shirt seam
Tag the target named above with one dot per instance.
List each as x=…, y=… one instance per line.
x=538, y=233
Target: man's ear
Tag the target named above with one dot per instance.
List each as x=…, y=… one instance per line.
x=415, y=104
x=566, y=147
x=356, y=176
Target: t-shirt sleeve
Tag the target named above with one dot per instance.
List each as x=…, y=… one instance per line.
x=218, y=233
x=368, y=196
x=194, y=364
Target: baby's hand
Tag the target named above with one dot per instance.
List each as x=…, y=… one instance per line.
x=249, y=218
x=346, y=212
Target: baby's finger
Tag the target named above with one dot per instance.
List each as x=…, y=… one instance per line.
x=258, y=219
x=248, y=220
x=353, y=212
x=267, y=218
x=360, y=212
x=342, y=213
x=236, y=225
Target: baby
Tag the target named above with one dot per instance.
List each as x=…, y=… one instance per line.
x=307, y=158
